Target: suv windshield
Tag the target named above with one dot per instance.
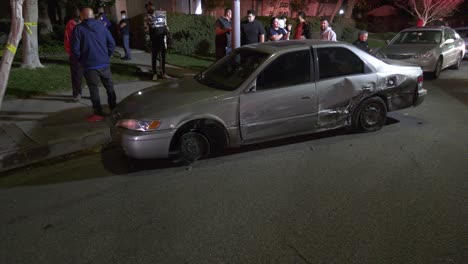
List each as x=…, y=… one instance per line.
x=418, y=37
x=230, y=72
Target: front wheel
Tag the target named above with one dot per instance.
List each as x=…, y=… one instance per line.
x=370, y=115
x=192, y=146
x=457, y=64
x=437, y=69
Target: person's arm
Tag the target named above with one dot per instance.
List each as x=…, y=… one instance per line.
x=67, y=38
x=261, y=35
x=261, y=38
x=110, y=43
x=273, y=35
x=220, y=30
x=122, y=24
x=333, y=36
x=288, y=31
x=75, y=44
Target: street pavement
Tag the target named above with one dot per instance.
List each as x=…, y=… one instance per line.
x=44, y=127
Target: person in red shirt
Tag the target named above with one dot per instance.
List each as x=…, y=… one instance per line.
x=302, y=28
x=420, y=23
x=75, y=67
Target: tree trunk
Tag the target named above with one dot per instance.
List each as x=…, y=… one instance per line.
x=30, y=44
x=13, y=40
x=44, y=18
x=349, y=8
x=338, y=5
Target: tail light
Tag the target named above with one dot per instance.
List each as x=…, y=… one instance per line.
x=420, y=82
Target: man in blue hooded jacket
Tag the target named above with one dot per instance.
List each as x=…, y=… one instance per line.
x=93, y=46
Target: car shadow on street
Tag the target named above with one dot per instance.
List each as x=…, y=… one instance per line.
x=115, y=161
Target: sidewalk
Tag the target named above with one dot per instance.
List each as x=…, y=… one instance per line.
x=44, y=127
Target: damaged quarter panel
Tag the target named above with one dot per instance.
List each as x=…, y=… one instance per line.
x=399, y=81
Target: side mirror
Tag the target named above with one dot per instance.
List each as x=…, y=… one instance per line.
x=449, y=41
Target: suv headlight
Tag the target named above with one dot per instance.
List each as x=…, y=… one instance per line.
x=426, y=55
x=138, y=125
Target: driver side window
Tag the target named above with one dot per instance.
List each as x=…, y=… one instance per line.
x=288, y=69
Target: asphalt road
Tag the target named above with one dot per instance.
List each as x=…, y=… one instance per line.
x=399, y=195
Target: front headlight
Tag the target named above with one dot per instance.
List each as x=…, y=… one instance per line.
x=138, y=125
x=425, y=55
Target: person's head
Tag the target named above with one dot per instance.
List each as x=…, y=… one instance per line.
x=86, y=13
x=123, y=14
x=323, y=23
x=250, y=15
x=275, y=22
x=228, y=13
x=301, y=16
x=362, y=36
x=149, y=7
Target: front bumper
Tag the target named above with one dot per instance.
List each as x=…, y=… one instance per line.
x=144, y=145
x=426, y=64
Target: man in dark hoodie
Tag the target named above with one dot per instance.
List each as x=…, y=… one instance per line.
x=93, y=46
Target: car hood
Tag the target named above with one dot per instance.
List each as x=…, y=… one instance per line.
x=154, y=101
x=412, y=49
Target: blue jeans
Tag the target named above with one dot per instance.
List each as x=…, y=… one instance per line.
x=93, y=76
x=126, y=45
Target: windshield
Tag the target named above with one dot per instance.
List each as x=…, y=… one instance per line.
x=230, y=72
x=418, y=37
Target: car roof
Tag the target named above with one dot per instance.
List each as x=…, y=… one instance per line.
x=275, y=46
x=461, y=28
x=425, y=28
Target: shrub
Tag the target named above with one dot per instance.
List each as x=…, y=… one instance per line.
x=192, y=34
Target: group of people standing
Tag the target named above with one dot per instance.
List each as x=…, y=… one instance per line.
x=252, y=31
x=90, y=45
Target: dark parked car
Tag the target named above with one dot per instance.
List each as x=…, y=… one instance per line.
x=433, y=48
x=262, y=92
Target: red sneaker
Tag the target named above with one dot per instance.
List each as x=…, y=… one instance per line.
x=95, y=118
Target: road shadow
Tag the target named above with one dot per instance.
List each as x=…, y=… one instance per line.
x=115, y=161
x=456, y=88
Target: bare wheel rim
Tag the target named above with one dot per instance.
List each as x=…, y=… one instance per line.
x=438, y=67
x=372, y=115
x=459, y=60
x=193, y=146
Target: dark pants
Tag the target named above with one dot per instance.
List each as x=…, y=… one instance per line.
x=126, y=45
x=158, y=47
x=92, y=78
x=76, y=75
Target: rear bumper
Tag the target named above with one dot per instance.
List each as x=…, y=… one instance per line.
x=420, y=96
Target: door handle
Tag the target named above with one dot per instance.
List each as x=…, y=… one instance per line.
x=367, y=87
x=306, y=97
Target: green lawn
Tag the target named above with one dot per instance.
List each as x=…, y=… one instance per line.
x=56, y=74
x=189, y=62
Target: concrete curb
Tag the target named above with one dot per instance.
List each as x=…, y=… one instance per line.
x=20, y=157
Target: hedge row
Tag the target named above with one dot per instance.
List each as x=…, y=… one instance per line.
x=192, y=34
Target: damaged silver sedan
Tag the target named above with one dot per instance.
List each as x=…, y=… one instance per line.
x=262, y=92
